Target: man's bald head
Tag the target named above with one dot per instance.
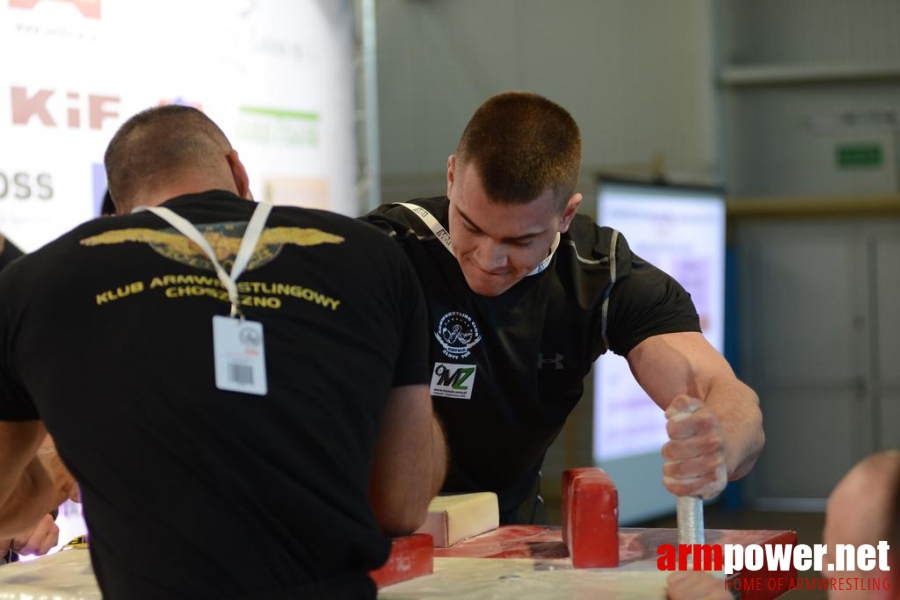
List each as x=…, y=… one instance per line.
x=864, y=508
x=163, y=145
x=864, y=504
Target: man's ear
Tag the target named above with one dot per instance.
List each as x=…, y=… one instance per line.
x=569, y=212
x=239, y=175
x=451, y=163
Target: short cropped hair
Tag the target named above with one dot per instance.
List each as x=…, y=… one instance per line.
x=158, y=143
x=522, y=145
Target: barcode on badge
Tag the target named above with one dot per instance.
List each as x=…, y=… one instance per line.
x=240, y=374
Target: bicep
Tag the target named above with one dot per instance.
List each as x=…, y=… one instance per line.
x=677, y=363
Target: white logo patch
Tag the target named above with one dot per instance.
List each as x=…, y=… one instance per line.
x=450, y=380
x=457, y=333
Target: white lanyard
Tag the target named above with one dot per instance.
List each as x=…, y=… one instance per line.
x=248, y=245
x=442, y=234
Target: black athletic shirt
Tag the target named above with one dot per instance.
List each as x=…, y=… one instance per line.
x=190, y=491
x=507, y=370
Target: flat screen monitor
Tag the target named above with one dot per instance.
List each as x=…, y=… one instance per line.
x=681, y=230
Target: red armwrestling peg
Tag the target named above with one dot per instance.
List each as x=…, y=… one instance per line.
x=590, y=518
x=411, y=556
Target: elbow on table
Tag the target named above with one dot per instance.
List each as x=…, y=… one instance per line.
x=402, y=519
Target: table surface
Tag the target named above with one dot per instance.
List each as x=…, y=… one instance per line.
x=513, y=562
x=524, y=561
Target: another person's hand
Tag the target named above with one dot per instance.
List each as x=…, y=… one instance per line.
x=695, y=453
x=696, y=585
x=38, y=541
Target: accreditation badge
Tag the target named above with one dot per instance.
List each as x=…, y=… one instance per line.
x=240, y=355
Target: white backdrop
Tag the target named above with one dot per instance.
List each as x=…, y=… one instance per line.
x=276, y=75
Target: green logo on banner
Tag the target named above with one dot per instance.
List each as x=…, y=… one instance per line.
x=854, y=156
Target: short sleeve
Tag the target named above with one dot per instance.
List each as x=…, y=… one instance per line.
x=8, y=252
x=412, y=363
x=15, y=404
x=645, y=302
x=378, y=218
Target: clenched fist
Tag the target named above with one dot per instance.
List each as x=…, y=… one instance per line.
x=38, y=541
x=695, y=453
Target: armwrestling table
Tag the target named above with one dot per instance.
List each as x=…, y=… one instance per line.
x=512, y=562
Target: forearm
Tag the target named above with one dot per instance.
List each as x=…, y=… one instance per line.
x=439, y=457
x=736, y=407
x=400, y=500
x=412, y=493
x=31, y=498
x=409, y=462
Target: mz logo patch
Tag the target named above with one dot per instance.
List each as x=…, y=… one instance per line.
x=450, y=380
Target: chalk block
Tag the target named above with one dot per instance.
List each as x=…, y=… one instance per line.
x=411, y=556
x=452, y=519
x=590, y=518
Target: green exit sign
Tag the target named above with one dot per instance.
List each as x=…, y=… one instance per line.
x=853, y=156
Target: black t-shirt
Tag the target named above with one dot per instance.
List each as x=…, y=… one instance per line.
x=8, y=252
x=190, y=491
x=507, y=370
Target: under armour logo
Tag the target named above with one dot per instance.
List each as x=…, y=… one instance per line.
x=550, y=361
